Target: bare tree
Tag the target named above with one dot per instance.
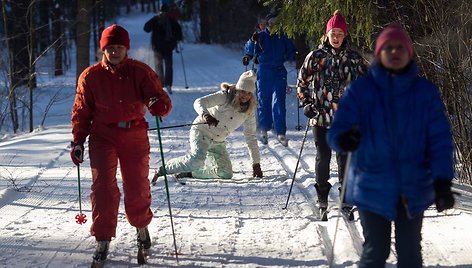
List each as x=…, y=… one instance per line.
x=83, y=35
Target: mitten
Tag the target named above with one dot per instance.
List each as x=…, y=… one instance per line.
x=444, y=197
x=255, y=37
x=158, y=107
x=210, y=120
x=349, y=140
x=246, y=60
x=256, y=170
x=77, y=152
x=309, y=112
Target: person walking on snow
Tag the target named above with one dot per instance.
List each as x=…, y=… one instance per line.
x=165, y=34
x=109, y=108
x=394, y=123
x=271, y=50
x=329, y=70
x=223, y=112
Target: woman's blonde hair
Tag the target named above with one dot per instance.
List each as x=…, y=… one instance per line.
x=233, y=98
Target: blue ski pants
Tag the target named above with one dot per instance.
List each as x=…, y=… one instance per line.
x=271, y=93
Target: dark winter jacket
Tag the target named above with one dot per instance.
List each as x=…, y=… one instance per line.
x=405, y=143
x=165, y=33
x=325, y=74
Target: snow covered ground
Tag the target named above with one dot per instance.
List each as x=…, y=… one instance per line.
x=237, y=223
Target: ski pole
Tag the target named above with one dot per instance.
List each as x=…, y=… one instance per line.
x=167, y=188
x=183, y=66
x=80, y=218
x=175, y=126
x=341, y=200
x=298, y=127
x=298, y=161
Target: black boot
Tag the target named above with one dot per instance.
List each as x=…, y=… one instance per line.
x=322, y=194
x=183, y=175
x=344, y=206
x=143, y=239
x=101, y=251
x=159, y=173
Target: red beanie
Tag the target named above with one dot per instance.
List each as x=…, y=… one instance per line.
x=393, y=32
x=114, y=35
x=337, y=21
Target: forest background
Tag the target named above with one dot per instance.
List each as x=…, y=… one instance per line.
x=441, y=31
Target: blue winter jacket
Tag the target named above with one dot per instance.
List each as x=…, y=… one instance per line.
x=271, y=50
x=405, y=144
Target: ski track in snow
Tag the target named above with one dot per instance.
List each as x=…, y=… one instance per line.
x=217, y=223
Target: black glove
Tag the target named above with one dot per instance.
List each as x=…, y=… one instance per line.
x=309, y=112
x=444, y=197
x=210, y=120
x=77, y=152
x=246, y=60
x=349, y=140
x=255, y=37
x=256, y=170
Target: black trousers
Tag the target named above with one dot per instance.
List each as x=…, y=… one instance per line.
x=164, y=67
x=323, y=158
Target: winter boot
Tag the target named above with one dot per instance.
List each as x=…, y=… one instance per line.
x=143, y=239
x=322, y=200
x=344, y=206
x=263, y=137
x=182, y=177
x=322, y=194
x=158, y=174
x=101, y=251
x=282, y=139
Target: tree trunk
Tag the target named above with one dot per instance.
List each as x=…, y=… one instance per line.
x=83, y=36
x=58, y=36
x=204, y=22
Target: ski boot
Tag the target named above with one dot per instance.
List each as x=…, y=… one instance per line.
x=282, y=139
x=322, y=200
x=101, y=253
x=347, y=210
x=144, y=244
x=182, y=177
x=158, y=174
x=263, y=137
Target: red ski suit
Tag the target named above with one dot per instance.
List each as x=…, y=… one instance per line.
x=110, y=107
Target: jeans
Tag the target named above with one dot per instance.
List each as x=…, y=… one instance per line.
x=377, y=232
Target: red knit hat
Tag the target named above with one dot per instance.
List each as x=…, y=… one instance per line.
x=393, y=32
x=114, y=35
x=337, y=21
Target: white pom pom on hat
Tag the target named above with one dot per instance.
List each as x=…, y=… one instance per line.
x=247, y=81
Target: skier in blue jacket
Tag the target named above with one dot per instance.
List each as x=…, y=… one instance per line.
x=271, y=50
x=394, y=123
